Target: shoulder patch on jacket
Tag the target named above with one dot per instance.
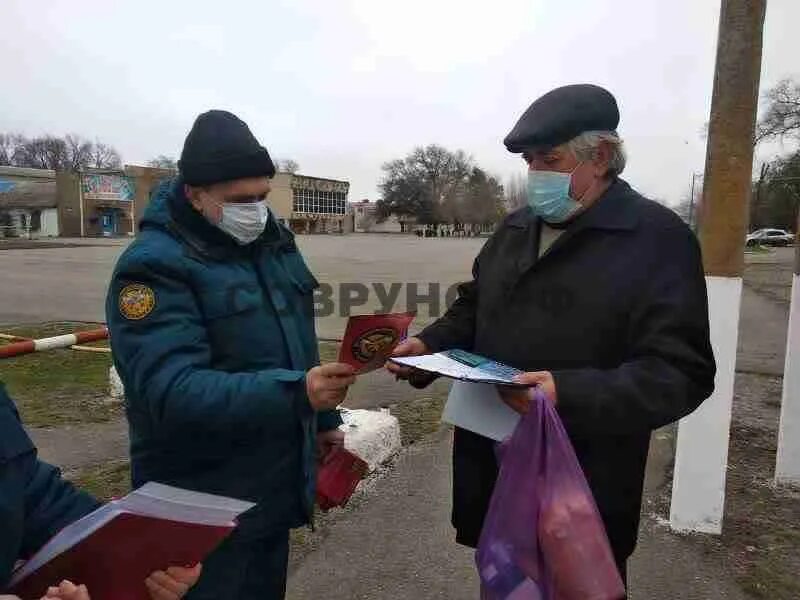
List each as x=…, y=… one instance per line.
x=136, y=301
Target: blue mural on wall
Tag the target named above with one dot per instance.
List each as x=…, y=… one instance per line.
x=6, y=185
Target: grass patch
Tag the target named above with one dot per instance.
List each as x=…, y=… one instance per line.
x=58, y=387
x=758, y=249
x=104, y=482
x=421, y=415
x=328, y=352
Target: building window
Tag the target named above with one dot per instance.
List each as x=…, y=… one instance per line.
x=319, y=202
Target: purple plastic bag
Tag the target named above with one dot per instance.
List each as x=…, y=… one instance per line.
x=543, y=538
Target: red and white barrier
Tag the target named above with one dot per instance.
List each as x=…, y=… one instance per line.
x=51, y=343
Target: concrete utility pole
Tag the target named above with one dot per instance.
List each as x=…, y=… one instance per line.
x=698, y=491
x=787, y=467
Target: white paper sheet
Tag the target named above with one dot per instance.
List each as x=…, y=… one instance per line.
x=443, y=365
x=477, y=407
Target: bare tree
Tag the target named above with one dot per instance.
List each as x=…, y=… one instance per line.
x=79, y=152
x=70, y=153
x=105, y=157
x=287, y=165
x=782, y=116
x=8, y=144
x=162, y=161
x=428, y=184
x=45, y=152
x=516, y=192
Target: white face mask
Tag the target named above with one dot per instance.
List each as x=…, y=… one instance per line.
x=244, y=221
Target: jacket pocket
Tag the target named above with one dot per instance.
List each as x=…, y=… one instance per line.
x=230, y=301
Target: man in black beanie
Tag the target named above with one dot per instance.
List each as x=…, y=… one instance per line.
x=211, y=317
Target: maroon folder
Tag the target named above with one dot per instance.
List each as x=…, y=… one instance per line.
x=114, y=561
x=115, y=548
x=337, y=478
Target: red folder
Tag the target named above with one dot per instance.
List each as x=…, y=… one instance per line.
x=115, y=548
x=370, y=339
x=338, y=477
x=114, y=561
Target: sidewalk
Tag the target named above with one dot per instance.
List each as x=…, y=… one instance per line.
x=399, y=543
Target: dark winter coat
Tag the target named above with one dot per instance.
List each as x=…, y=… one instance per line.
x=617, y=310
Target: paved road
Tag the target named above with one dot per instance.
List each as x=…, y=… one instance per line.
x=69, y=283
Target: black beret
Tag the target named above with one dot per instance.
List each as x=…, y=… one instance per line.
x=562, y=114
x=220, y=147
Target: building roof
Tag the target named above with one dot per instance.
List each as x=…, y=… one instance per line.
x=29, y=194
x=302, y=176
x=25, y=172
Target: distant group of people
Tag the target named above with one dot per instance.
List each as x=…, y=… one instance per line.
x=457, y=230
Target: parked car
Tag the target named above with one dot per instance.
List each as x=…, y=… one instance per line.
x=770, y=237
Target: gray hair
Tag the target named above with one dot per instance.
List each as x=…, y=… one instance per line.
x=585, y=145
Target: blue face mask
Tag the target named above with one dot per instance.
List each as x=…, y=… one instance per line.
x=548, y=195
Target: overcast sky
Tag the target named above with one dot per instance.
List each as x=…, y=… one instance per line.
x=342, y=86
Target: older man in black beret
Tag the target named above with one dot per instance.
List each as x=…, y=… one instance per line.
x=598, y=293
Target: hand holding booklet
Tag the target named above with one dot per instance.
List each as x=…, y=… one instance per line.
x=459, y=364
x=474, y=403
x=115, y=548
x=370, y=339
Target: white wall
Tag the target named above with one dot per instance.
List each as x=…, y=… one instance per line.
x=49, y=223
x=701, y=455
x=787, y=468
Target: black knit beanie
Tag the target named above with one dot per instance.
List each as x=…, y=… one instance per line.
x=220, y=147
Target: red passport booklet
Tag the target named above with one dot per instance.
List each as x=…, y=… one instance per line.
x=114, y=549
x=370, y=339
x=337, y=478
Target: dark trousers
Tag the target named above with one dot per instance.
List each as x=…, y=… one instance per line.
x=245, y=568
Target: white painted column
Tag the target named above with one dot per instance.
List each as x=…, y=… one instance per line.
x=787, y=468
x=701, y=456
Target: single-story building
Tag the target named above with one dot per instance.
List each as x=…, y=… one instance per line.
x=28, y=203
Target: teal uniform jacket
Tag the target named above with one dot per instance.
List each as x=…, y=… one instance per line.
x=35, y=503
x=212, y=341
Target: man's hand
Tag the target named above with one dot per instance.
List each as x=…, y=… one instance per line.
x=413, y=346
x=67, y=591
x=327, y=385
x=516, y=398
x=519, y=399
x=172, y=584
x=328, y=441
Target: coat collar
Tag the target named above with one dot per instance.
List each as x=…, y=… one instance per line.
x=207, y=240
x=614, y=210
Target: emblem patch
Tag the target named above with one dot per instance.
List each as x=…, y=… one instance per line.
x=370, y=339
x=374, y=343
x=136, y=301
